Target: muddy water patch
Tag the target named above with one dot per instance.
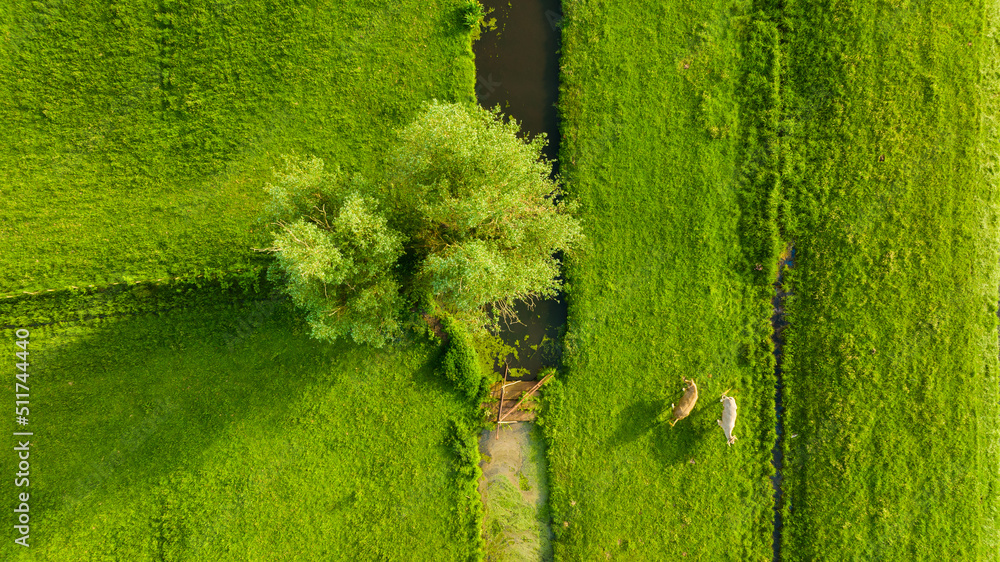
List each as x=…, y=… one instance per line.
x=535, y=338
x=515, y=493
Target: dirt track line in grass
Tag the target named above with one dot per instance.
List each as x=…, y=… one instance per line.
x=154, y=282
x=778, y=324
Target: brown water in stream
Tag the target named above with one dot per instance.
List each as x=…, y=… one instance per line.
x=517, y=68
x=517, y=65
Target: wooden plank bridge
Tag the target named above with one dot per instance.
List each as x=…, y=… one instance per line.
x=515, y=400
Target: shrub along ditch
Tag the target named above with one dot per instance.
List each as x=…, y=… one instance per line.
x=461, y=363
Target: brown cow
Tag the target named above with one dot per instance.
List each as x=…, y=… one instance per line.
x=687, y=403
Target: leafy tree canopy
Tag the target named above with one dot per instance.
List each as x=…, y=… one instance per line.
x=335, y=254
x=482, y=212
x=468, y=205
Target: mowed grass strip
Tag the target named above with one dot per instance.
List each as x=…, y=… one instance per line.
x=657, y=149
x=139, y=135
x=891, y=357
x=228, y=434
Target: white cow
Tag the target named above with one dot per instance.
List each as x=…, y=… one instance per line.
x=728, y=417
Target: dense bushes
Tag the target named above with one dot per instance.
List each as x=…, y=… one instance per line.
x=461, y=361
x=463, y=440
x=472, y=14
x=463, y=443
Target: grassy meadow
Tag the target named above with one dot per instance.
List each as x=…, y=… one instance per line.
x=226, y=433
x=677, y=183
x=195, y=419
x=139, y=134
x=893, y=423
x=194, y=422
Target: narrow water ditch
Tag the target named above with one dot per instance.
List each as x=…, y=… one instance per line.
x=778, y=325
x=517, y=68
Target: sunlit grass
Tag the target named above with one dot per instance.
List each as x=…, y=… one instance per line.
x=653, y=147
x=891, y=356
x=228, y=434
x=140, y=134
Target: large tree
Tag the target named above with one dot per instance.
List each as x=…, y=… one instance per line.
x=468, y=205
x=335, y=253
x=484, y=217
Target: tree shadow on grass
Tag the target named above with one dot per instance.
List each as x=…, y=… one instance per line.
x=185, y=429
x=131, y=400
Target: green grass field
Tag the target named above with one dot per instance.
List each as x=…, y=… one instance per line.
x=140, y=134
x=659, y=151
x=140, y=137
x=891, y=368
x=228, y=434
x=699, y=139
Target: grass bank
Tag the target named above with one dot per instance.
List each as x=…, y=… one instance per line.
x=891, y=355
x=678, y=189
x=139, y=134
x=226, y=434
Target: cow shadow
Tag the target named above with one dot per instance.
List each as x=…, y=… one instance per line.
x=638, y=419
x=651, y=418
x=677, y=444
